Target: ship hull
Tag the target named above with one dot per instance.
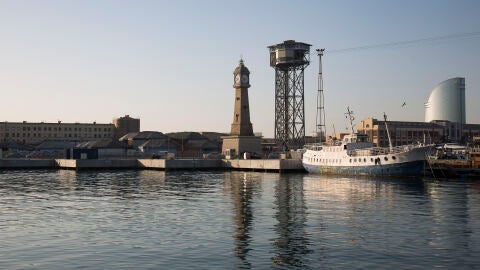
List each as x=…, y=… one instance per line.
x=411, y=162
x=411, y=169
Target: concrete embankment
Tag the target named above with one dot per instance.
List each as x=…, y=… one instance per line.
x=278, y=165
x=27, y=163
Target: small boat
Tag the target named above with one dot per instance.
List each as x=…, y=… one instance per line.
x=455, y=161
x=356, y=155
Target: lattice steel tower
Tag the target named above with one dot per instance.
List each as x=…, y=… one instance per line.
x=289, y=59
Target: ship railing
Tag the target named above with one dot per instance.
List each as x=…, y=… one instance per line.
x=475, y=150
x=373, y=151
x=319, y=146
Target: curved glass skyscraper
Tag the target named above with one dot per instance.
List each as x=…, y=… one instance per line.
x=447, y=102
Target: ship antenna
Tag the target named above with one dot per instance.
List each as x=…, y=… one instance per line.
x=320, y=119
x=350, y=118
x=388, y=133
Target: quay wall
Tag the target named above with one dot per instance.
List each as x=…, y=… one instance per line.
x=27, y=163
x=278, y=165
x=79, y=164
x=178, y=164
x=264, y=164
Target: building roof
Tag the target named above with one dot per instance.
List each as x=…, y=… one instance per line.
x=203, y=144
x=102, y=143
x=126, y=117
x=187, y=135
x=213, y=136
x=159, y=143
x=149, y=135
x=241, y=68
x=128, y=136
x=55, y=145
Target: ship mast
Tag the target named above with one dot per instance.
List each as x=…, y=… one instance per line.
x=388, y=133
x=350, y=118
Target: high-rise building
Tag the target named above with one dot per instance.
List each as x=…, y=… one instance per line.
x=444, y=120
x=447, y=102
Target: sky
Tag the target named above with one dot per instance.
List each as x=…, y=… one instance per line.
x=170, y=63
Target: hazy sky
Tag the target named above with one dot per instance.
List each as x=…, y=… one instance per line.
x=170, y=63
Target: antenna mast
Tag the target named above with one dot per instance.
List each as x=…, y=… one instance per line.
x=320, y=119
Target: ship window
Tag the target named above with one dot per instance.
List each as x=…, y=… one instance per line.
x=386, y=158
x=355, y=160
x=364, y=160
x=394, y=157
x=350, y=160
x=371, y=159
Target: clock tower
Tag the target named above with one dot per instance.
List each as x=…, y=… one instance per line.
x=241, y=115
x=241, y=137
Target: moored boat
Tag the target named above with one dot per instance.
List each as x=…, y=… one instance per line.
x=455, y=161
x=354, y=155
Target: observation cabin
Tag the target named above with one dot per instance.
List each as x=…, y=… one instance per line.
x=289, y=54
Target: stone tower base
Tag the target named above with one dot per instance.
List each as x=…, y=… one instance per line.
x=237, y=145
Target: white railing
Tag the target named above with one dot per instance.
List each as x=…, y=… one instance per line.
x=373, y=151
x=319, y=146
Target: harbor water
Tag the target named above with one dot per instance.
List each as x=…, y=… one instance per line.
x=60, y=219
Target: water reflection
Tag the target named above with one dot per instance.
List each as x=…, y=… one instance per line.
x=213, y=220
x=452, y=203
x=292, y=242
x=243, y=187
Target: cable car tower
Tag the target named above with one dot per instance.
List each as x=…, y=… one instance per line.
x=289, y=59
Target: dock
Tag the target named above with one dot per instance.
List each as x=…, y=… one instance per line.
x=272, y=165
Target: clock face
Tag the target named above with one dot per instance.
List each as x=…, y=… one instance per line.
x=244, y=78
x=237, y=78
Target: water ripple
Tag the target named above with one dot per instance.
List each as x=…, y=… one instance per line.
x=243, y=220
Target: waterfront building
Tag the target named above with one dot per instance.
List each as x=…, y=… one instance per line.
x=447, y=102
x=126, y=124
x=37, y=132
x=403, y=132
x=445, y=120
x=241, y=138
x=135, y=139
x=193, y=144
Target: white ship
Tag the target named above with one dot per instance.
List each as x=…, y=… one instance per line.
x=355, y=155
